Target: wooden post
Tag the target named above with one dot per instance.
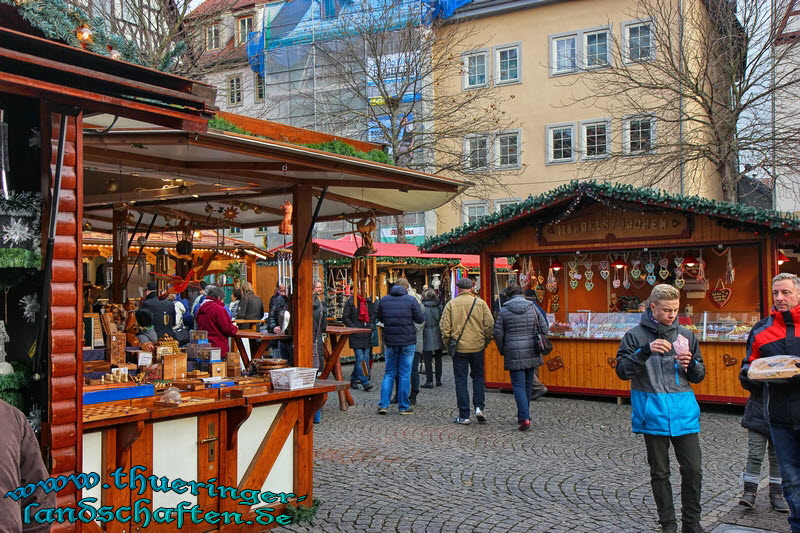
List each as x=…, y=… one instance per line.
x=120, y=264
x=302, y=298
x=487, y=274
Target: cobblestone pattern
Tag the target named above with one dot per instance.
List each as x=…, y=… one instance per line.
x=579, y=470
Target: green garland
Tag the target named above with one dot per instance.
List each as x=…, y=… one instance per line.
x=59, y=20
x=303, y=513
x=459, y=240
x=11, y=385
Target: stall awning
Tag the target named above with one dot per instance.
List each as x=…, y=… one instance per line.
x=252, y=175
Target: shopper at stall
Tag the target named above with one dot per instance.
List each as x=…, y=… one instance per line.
x=398, y=311
x=538, y=389
x=758, y=442
x=250, y=306
x=279, y=322
x=432, y=339
x=662, y=358
x=21, y=465
x=468, y=322
x=213, y=317
x=198, y=299
x=517, y=331
x=163, y=310
x=236, y=298
x=775, y=335
x=359, y=313
x=146, y=331
x=320, y=317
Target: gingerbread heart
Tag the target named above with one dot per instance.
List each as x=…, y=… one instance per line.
x=573, y=283
x=612, y=362
x=720, y=296
x=650, y=267
x=604, y=274
x=555, y=307
x=539, y=290
x=680, y=282
x=555, y=298
x=540, y=279
x=664, y=273
x=663, y=263
x=651, y=279
x=589, y=285
x=729, y=360
x=636, y=273
x=678, y=261
x=626, y=284
x=615, y=284
x=572, y=265
x=589, y=274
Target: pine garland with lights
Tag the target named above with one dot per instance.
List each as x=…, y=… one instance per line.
x=418, y=261
x=63, y=22
x=466, y=239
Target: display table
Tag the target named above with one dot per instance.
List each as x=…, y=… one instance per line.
x=242, y=439
x=263, y=343
x=338, y=336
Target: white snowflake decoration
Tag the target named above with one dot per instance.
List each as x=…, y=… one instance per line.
x=35, y=140
x=30, y=307
x=35, y=418
x=17, y=231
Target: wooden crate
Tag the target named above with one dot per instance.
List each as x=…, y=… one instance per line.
x=174, y=366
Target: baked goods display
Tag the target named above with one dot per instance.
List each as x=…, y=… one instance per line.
x=775, y=368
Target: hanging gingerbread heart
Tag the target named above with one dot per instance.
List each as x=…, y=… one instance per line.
x=678, y=260
x=554, y=307
x=587, y=264
x=589, y=285
x=680, y=282
x=651, y=279
x=650, y=267
x=663, y=262
x=720, y=295
x=572, y=265
x=524, y=280
x=626, y=282
x=636, y=272
x=589, y=274
x=554, y=298
x=573, y=283
x=539, y=291
x=663, y=272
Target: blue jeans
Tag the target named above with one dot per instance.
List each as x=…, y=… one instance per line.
x=362, y=356
x=472, y=364
x=787, y=448
x=522, y=381
x=398, y=362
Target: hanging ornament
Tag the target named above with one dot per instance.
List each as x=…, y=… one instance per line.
x=572, y=265
x=616, y=283
x=730, y=271
x=573, y=283
x=84, y=35
x=112, y=185
x=701, y=270
x=552, y=282
x=604, y=269
x=182, y=188
x=230, y=213
x=539, y=292
x=130, y=219
x=243, y=206
x=636, y=271
x=257, y=209
x=587, y=264
x=679, y=281
x=87, y=226
x=678, y=260
x=209, y=209
x=589, y=285
x=539, y=276
x=650, y=267
x=720, y=295
x=554, y=307
x=626, y=282
x=285, y=227
x=651, y=279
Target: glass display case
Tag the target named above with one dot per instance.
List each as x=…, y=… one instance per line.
x=591, y=325
x=720, y=326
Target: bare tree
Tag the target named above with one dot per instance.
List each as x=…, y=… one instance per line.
x=709, y=74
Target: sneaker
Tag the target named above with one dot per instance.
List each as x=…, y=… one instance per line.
x=383, y=411
x=354, y=385
x=367, y=387
x=408, y=411
x=427, y=385
x=462, y=421
x=525, y=425
x=479, y=415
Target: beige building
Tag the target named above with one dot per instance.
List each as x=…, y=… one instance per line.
x=535, y=51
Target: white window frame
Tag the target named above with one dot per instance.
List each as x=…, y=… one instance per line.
x=465, y=85
x=230, y=90
x=497, y=50
x=256, y=78
x=495, y=142
x=465, y=209
x=468, y=152
x=626, y=50
x=585, y=48
x=549, y=144
x=216, y=26
x=233, y=233
x=584, y=137
x=554, y=71
x=242, y=39
x=499, y=203
x=626, y=134
x=262, y=230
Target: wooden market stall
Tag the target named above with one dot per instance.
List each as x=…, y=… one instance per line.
x=112, y=135
x=592, y=253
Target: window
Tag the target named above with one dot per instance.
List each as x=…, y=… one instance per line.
x=500, y=204
x=212, y=37
x=507, y=149
x=234, y=231
x=235, y=90
x=475, y=70
x=474, y=211
x=261, y=88
x=564, y=54
x=507, y=60
x=477, y=149
x=328, y=9
x=638, y=134
x=262, y=230
x=597, y=49
x=560, y=147
x=639, y=39
x=596, y=139
x=244, y=25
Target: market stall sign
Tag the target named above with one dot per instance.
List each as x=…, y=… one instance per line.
x=616, y=225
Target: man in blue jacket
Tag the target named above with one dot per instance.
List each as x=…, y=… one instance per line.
x=398, y=311
x=661, y=359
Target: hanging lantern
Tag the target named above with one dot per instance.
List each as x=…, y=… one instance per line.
x=183, y=189
x=167, y=217
x=112, y=185
x=131, y=219
x=87, y=226
x=257, y=209
x=243, y=206
x=619, y=263
x=782, y=258
x=556, y=265
x=209, y=209
x=691, y=261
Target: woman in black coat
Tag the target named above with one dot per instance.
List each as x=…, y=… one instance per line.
x=360, y=316
x=432, y=345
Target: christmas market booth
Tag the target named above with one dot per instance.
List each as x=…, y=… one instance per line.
x=592, y=253
x=86, y=137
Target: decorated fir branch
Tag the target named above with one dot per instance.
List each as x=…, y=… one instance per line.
x=11, y=385
x=733, y=215
x=20, y=235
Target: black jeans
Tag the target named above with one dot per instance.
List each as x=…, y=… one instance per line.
x=469, y=364
x=429, y=357
x=687, y=451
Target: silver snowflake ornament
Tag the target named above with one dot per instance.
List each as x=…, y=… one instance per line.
x=30, y=307
x=17, y=232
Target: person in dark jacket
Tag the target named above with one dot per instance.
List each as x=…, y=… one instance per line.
x=213, y=317
x=360, y=316
x=250, y=306
x=276, y=323
x=319, y=316
x=398, y=311
x=758, y=439
x=432, y=345
x=775, y=335
x=662, y=358
x=163, y=311
x=146, y=331
x=516, y=333
x=539, y=389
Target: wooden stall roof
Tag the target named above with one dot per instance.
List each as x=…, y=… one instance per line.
x=59, y=73
x=206, y=240
x=561, y=202
x=221, y=169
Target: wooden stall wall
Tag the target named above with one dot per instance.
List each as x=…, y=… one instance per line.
x=63, y=427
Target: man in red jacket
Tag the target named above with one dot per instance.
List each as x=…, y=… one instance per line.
x=213, y=317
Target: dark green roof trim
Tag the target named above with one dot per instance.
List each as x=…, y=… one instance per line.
x=493, y=228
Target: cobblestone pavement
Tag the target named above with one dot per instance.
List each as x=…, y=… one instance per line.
x=579, y=470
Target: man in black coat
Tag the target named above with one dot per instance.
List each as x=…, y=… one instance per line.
x=163, y=311
x=282, y=305
x=360, y=316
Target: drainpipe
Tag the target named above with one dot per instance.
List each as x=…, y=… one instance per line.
x=680, y=94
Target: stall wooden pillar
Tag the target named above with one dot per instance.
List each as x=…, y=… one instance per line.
x=487, y=275
x=303, y=264
x=120, y=264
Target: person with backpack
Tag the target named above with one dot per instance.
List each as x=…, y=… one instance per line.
x=163, y=310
